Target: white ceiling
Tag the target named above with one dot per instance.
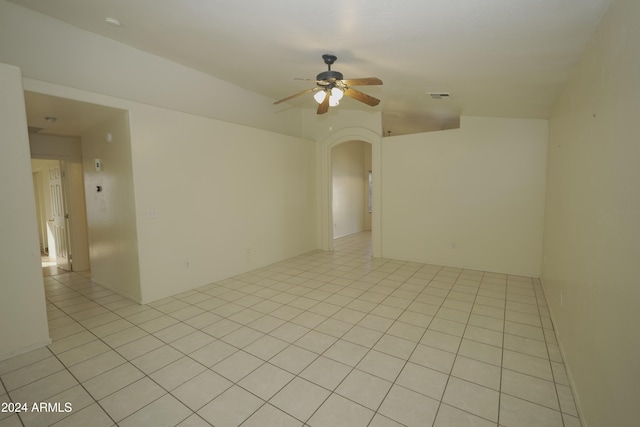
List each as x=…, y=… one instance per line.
x=506, y=58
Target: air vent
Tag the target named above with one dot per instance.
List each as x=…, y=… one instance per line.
x=33, y=129
x=439, y=95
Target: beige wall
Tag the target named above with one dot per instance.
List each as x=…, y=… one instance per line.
x=22, y=304
x=111, y=215
x=471, y=197
x=592, y=223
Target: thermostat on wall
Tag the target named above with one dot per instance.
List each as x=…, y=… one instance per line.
x=98, y=165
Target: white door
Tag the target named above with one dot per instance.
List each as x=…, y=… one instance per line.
x=59, y=222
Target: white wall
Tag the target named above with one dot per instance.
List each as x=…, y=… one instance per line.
x=322, y=127
x=215, y=199
x=350, y=172
x=111, y=214
x=471, y=197
x=22, y=304
x=78, y=217
x=592, y=224
x=38, y=193
x=55, y=147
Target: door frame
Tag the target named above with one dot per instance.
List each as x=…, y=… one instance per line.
x=40, y=216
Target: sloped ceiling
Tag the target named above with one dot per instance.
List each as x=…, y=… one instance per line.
x=506, y=58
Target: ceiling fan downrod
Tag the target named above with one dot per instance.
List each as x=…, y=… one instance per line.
x=329, y=75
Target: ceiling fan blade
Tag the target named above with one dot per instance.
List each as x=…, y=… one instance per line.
x=367, y=81
x=362, y=97
x=296, y=94
x=324, y=106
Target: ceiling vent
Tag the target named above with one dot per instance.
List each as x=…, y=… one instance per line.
x=439, y=95
x=33, y=129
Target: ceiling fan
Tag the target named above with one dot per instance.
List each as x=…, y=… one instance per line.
x=331, y=87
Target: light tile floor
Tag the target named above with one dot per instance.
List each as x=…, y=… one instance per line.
x=322, y=339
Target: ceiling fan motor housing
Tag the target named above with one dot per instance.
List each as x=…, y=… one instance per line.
x=329, y=76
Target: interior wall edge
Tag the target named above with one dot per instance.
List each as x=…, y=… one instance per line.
x=576, y=396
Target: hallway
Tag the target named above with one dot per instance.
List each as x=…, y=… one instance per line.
x=322, y=339
x=49, y=267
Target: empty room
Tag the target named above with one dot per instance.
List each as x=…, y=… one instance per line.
x=357, y=213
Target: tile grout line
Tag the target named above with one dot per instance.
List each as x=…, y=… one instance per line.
x=457, y=351
x=504, y=331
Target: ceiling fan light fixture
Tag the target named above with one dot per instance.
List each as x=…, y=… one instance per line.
x=319, y=96
x=336, y=94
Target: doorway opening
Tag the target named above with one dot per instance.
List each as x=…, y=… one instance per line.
x=61, y=215
x=56, y=127
x=352, y=188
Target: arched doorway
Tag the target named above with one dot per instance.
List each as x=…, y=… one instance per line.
x=325, y=183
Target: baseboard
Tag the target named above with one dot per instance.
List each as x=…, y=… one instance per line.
x=576, y=398
x=117, y=291
x=24, y=350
